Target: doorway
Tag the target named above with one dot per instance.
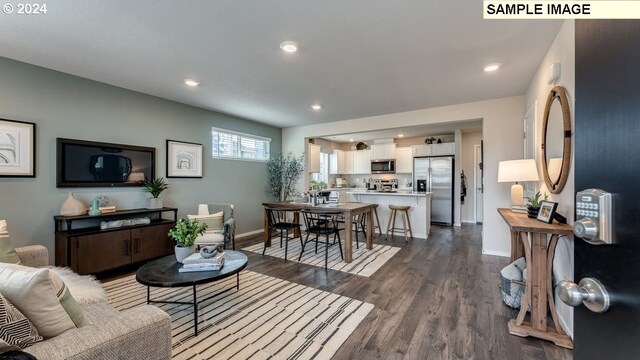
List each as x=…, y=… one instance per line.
x=478, y=189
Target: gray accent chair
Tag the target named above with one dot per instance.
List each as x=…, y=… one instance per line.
x=227, y=235
x=142, y=332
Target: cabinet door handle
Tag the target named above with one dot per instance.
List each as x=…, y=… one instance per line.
x=136, y=245
x=126, y=246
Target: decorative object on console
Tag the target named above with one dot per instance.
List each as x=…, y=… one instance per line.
x=517, y=171
x=103, y=200
x=72, y=207
x=430, y=140
x=185, y=233
x=534, y=204
x=184, y=159
x=95, y=211
x=155, y=187
x=17, y=148
x=547, y=211
x=126, y=222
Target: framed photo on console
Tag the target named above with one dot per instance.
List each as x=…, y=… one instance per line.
x=184, y=159
x=547, y=210
x=17, y=148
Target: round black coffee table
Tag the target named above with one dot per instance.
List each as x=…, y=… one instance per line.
x=163, y=272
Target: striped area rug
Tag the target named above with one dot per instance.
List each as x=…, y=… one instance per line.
x=268, y=318
x=365, y=262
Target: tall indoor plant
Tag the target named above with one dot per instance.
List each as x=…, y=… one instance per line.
x=284, y=173
x=155, y=187
x=185, y=233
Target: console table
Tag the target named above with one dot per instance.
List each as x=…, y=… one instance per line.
x=87, y=249
x=539, y=251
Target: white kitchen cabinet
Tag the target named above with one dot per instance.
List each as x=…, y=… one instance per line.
x=433, y=149
x=383, y=151
x=362, y=162
x=443, y=149
x=421, y=150
x=404, y=160
x=337, y=162
x=348, y=163
x=313, y=158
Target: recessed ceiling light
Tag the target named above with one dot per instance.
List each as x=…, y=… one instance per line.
x=492, y=67
x=191, y=82
x=316, y=107
x=289, y=46
x=400, y=135
x=351, y=140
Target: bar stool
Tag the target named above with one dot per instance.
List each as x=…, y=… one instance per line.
x=391, y=227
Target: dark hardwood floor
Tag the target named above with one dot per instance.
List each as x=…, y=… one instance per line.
x=435, y=299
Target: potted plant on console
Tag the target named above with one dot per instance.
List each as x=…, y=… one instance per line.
x=155, y=187
x=185, y=233
x=534, y=204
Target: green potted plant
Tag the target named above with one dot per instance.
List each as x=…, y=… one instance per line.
x=284, y=172
x=184, y=234
x=534, y=204
x=155, y=187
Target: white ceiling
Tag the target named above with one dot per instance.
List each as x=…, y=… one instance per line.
x=357, y=58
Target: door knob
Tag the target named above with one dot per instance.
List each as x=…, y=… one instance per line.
x=589, y=292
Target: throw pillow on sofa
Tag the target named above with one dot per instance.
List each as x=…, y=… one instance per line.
x=42, y=297
x=16, y=331
x=7, y=251
x=213, y=221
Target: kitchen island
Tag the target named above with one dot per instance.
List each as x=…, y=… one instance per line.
x=419, y=215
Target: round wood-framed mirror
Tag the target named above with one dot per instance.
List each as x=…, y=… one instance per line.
x=556, y=140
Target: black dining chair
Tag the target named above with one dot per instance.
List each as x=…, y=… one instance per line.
x=279, y=221
x=322, y=221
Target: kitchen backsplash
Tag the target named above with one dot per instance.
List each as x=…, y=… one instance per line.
x=360, y=180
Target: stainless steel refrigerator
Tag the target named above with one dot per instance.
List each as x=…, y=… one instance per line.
x=435, y=175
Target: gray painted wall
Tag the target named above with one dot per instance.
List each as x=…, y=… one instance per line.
x=68, y=106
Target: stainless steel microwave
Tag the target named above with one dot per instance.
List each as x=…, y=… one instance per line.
x=383, y=166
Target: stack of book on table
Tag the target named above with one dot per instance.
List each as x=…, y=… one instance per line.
x=196, y=262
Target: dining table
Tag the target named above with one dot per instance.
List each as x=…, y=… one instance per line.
x=348, y=210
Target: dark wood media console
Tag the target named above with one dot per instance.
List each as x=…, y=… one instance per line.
x=90, y=250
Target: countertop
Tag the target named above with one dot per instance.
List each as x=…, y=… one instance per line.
x=398, y=193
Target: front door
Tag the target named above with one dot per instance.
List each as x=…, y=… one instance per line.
x=607, y=156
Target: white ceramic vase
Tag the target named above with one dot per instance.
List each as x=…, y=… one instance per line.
x=183, y=252
x=72, y=207
x=155, y=203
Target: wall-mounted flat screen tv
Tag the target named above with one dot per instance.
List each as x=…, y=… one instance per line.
x=83, y=163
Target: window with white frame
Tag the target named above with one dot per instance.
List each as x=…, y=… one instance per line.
x=235, y=145
x=323, y=175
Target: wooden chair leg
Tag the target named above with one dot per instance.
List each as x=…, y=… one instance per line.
x=389, y=224
x=326, y=251
x=375, y=213
x=404, y=222
x=409, y=223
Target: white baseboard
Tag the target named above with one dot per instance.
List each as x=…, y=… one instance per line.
x=496, y=253
x=249, y=233
x=468, y=221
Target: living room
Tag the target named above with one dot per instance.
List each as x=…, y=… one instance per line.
x=104, y=103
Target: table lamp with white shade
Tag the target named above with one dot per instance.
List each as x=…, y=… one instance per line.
x=517, y=171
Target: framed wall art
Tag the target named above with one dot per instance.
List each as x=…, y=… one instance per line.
x=17, y=148
x=547, y=210
x=184, y=159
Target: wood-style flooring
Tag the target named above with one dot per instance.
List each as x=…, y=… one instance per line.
x=435, y=299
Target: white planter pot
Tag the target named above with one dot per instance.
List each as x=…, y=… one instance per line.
x=183, y=252
x=155, y=203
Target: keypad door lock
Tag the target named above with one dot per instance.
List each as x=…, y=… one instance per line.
x=593, y=217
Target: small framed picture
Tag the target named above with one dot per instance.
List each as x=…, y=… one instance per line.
x=184, y=159
x=547, y=210
x=17, y=148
